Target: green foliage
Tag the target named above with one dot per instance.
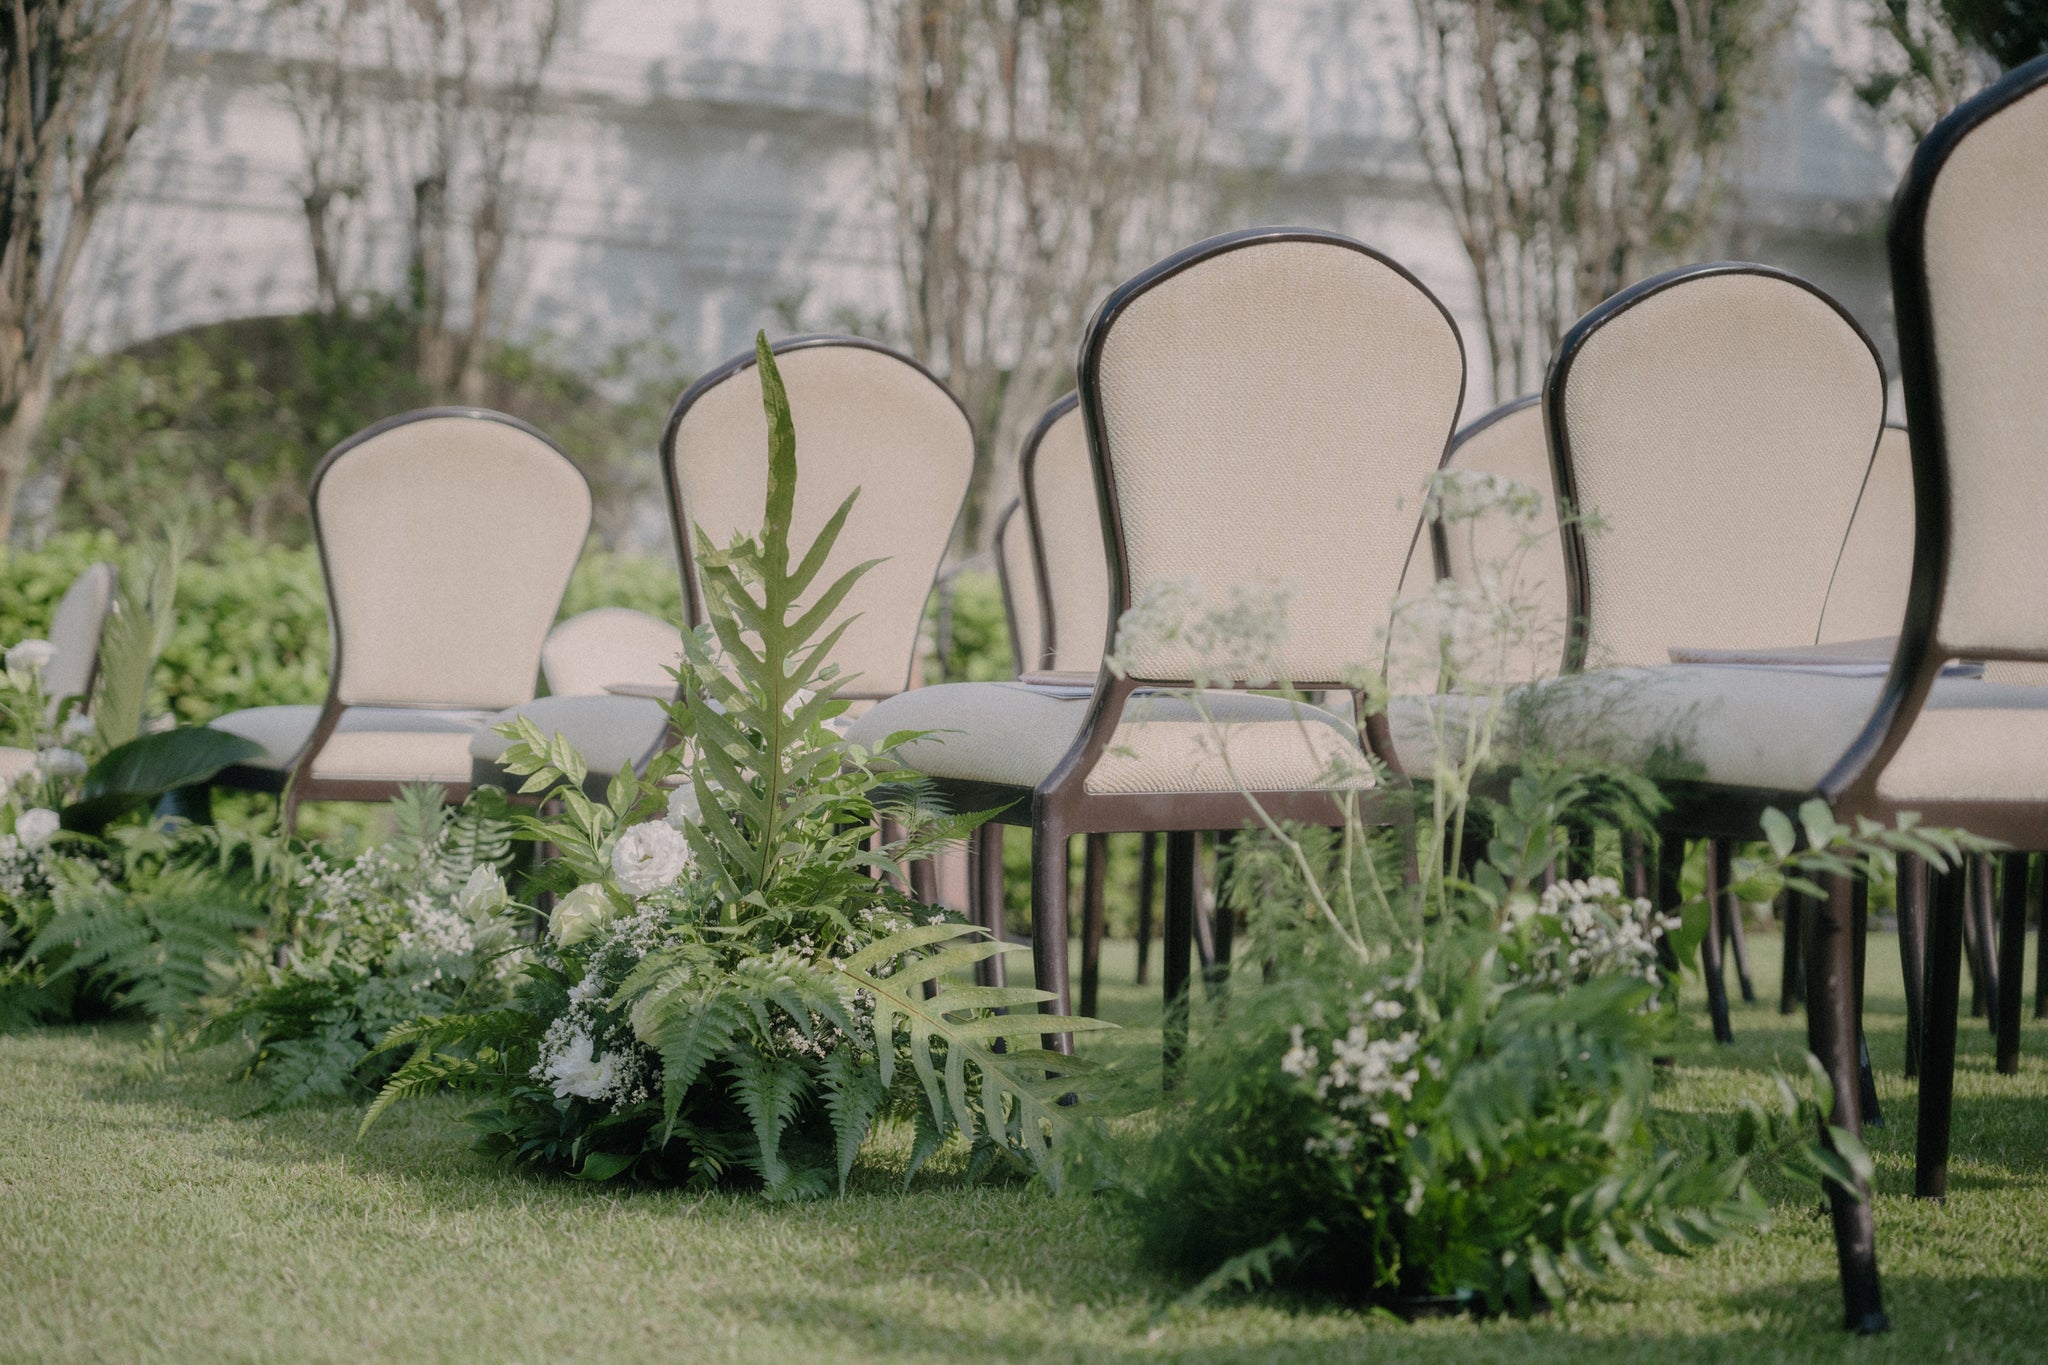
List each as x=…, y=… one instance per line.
x=140, y=920
x=731, y=992
x=1931, y=55
x=400, y=933
x=149, y=766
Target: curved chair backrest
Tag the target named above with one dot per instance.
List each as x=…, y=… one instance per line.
x=447, y=537
x=1720, y=420
x=866, y=418
x=1018, y=575
x=1510, y=441
x=1867, y=598
x=592, y=650
x=1066, y=522
x=1263, y=408
x=75, y=630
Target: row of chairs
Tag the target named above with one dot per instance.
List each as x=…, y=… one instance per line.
x=1261, y=409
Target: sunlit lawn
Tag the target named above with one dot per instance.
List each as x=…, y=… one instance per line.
x=141, y=1218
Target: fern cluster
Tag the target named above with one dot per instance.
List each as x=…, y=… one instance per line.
x=383, y=939
x=733, y=985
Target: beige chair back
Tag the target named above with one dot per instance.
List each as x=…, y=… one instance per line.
x=1970, y=261
x=1719, y=420
x=1059, y=495
x=1018, y=575
x=447, y=537
x=866, y=418
x=1266, y=406
x=1867, y=598
x=75, y=629
x=594, y=650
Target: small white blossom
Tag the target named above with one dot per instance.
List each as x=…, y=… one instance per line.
x=483, y=895
x=61, y=763
x=33, y=827
x=649, y=857
x=29, y=658
x=78, y=725
x=579, y=914
x=575, y=1071
x=684, y=809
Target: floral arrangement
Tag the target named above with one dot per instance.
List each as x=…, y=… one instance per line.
x=1439, y=1088
x=399, y=932
x=731, y=985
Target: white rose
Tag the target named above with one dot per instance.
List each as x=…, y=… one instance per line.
x=576, y=1072
x=684, y=809
x=483, y=894
x=35, y=826
x=649, y=857
x=30, y=657
x=61, y=763
x=579, y=914
x=78, y=725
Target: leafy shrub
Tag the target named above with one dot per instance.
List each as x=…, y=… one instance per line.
x=398, y=933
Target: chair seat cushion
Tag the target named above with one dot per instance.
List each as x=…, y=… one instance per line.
x=1780, y=729
x=370, y=743
x=611, y=733
x=1014, y=735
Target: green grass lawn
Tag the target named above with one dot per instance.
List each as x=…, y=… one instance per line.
x=141, y=1218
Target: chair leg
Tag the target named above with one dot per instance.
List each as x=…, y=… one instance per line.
x=1719, y=857
x=1866, y=1078
x=1946, y=909
x=1175, y=951
x=1095, y=866
x=1977, y=947
x=1913, y=952
x=1226, y=910
x=2040, y=943
x=1791, y=976
x=1635, y=866
x=1831, y=1029
x=1148, y=858
x=985, y=878
x=1670, y=864
x=2012, y=948
x=1049, y=925
x=1738, y=939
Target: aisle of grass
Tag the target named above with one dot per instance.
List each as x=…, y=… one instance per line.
x=142, y=1218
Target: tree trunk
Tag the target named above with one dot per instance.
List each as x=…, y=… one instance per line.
x=24, y=418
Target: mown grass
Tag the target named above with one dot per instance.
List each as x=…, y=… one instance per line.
x=142, y=1217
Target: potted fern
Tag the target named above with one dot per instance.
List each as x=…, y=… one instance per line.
x=726, y=990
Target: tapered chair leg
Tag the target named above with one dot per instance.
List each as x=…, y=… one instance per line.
x=985, y=877
x=1719, y=855
x=1670, y=866
x=1049, y=924
x=2012, y=948
x=1095, y=865
x=1176, y=941
x=1946, y=908
x=2041, y=943
x=1866, y=1077
x=1913, y=952
x=1738, y=940
x=1831, y=1028
x=1791, y=989
x=1977, y=948
x=1148, y=858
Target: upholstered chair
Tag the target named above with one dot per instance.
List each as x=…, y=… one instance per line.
x=1866, y=598
x=1256, y=408
x=446, y=539
x=866, y=418
x=75, y=627
x=610, y=647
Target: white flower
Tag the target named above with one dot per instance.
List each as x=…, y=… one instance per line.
x=483, y=894
x=33, y=827
x=78, y=725
x=684, y=809
x=61, y=763
x=577, y=915
x=649, y=857
x=576, y=1072
x=30, y=657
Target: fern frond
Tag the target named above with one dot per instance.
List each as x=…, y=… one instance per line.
x=769, y=1089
